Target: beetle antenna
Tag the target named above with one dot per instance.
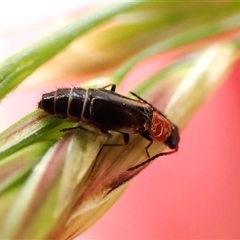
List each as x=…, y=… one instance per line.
x=152, y=158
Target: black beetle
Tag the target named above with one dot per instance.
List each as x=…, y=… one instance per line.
x=107, y=111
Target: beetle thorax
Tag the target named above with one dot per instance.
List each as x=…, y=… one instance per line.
x=160, y=128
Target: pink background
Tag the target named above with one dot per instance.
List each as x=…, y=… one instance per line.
x=194, y=193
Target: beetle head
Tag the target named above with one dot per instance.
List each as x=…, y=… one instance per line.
x=173, y=140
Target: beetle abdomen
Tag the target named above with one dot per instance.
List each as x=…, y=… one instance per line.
x=64, y=103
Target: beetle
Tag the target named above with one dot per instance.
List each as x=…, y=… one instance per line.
x=107, y=111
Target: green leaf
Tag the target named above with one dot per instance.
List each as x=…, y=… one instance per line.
x=28, y=130
x=180, y=39
x=18, y=164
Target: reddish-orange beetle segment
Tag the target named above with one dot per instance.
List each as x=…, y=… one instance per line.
x=160, y=128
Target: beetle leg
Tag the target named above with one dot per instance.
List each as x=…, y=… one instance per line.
x=139, y=98
x=151, y=159
x=125, y=137
x=101, y=133
x=113, y=87
x=68, y=129
x=147, y=137
x=147, y=147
